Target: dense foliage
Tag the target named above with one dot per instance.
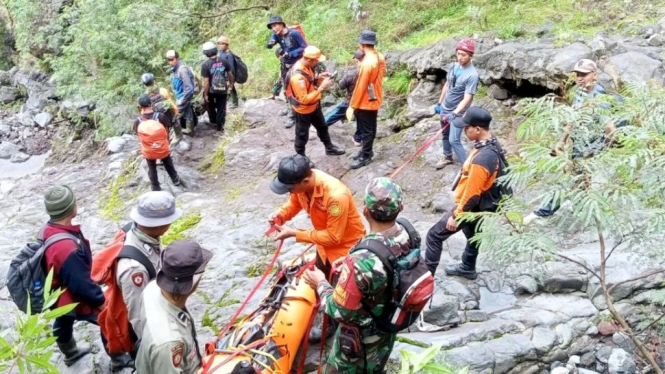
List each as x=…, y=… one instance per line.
x=99, y=48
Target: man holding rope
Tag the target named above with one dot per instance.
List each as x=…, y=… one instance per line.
x=337, y=224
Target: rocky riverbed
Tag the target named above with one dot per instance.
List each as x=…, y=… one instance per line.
x=523, y=318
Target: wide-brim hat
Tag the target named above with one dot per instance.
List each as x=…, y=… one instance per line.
x=367, y=37
x=154, y=209
x=183, y=262
x=275, y=19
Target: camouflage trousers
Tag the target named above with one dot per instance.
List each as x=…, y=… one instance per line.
x=377, y=349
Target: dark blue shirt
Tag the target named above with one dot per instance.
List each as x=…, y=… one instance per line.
x=293, y=44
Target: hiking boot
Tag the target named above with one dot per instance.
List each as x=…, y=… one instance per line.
x=443, y=161
x=360, y=162
x=72, y=352
x=359, y=155
x=156, y=188
x=333, y=150
x=179, y=183
x=121, y=361
x=176, y=140
x=289, y=123
x=461, y=270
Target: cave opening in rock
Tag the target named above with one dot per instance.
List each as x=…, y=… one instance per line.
x=525, y=89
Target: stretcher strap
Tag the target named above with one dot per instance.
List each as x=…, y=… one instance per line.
x=419, y=150
x=324, y=328
x=206, y=366
x=256, y=287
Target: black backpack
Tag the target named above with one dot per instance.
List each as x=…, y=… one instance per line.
x=410, y=283
x=240, y=73
x=489, y=200
x=219, y=79
x=26, y=277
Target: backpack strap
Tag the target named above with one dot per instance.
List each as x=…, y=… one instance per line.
x=387, y=259
x=59, y=237
x=129, y=251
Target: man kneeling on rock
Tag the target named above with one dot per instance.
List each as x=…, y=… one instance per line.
x=337, y=224
x=152, y=130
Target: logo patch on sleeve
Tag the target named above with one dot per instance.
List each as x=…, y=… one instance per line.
x=138, y=279
x=176, y=354
x=335, y=210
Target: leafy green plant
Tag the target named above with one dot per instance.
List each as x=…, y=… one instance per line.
x=614, y=186
x=27, y=347
x=423, y=362
x=399, y=82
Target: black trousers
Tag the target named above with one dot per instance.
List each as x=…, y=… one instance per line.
x=303, y=121
x=63, y=327
x=439, y=234
x=154, y=177
x=366, y=120
x=217, y=110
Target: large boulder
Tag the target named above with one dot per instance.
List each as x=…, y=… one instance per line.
x=8, y=94
x=421, y=100
x=634, y=67
x=260, y=111
x=7, y=150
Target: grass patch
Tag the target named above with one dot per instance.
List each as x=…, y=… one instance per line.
x=178, y=228
x=481, y=92
x=398, y=82
x=234, y=125
x=113, y=207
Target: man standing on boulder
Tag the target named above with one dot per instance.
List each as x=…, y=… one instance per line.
x=367, y=96
x=304, y=93
x=347, y=83
x=225, y=53
x=70, y=260
x=475, y=192
x=293, y=46
x=217, y=82
x=183, y=86
x=456, y=95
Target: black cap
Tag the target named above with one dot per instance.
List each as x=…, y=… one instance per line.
x=359, y=54
x=292, y=170
x=144, y=101
x=181, y=261
x=474, y=116
x=275, y=19
x=367, y=37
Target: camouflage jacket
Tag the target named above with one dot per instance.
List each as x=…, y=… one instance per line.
x=370, y=278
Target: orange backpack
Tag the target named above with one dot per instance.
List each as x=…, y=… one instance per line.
x=300, y=30
x=114, y=320
x=154, y=138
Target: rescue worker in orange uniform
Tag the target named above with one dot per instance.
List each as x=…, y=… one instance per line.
x=367, y=97
x=329, y=203
x=304, y=94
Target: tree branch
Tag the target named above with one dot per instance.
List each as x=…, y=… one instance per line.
x=580, y=264
x=613, y=248
x=202, y=16
x=636, y=278
x=653, y=323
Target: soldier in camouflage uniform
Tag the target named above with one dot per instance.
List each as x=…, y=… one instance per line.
x=362, y=290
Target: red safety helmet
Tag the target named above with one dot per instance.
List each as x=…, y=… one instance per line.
x=466, y=45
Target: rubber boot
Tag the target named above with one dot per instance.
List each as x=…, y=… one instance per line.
x=72, y=352
x=121, y=361
x=316, y=331
x=177, y=131
x=190, y=128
